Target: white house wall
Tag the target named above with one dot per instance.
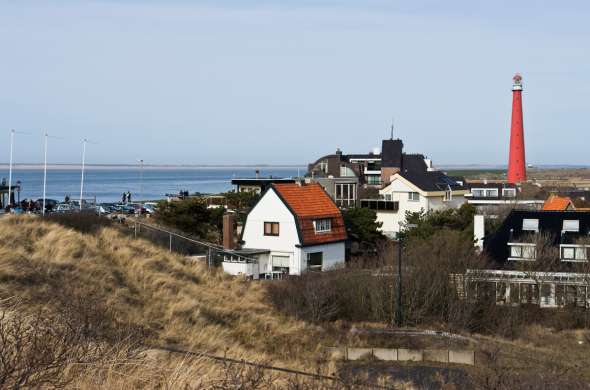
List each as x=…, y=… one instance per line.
x=271, y=208
x=399, y=193
x=398, y=189
x=241, y=269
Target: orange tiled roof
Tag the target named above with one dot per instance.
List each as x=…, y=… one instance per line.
x=310, y=202
x=558, y=203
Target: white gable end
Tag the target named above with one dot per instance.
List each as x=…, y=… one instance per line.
x=399, y=185
x=270, y=208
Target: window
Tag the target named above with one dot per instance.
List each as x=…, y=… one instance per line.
x=345, y=194
x=379, y=204
x=509, y=192
x=324, y=166
x=515, y=251
x=478, y=193
x=373, y=180
x=314, y=261
x=484, y=192
x=271, y=228
x=574, y=253
x=346, y=171
x=373, y=166
x=387, y=197
x=530, y=225
x=522, y=251
x=413, y=196
x=322, y=225
x=571, y=225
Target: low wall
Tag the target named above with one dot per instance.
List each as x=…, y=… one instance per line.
x=402, y=355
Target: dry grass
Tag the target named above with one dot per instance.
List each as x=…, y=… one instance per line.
x=177, y=302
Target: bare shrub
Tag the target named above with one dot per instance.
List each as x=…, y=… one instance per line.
x=351, y=295
x=42, y=348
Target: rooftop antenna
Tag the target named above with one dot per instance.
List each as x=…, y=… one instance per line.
x=392, y=120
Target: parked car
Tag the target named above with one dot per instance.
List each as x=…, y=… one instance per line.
x=64, y=208
x=50, y=204
x=125, y=208
x=150, y=207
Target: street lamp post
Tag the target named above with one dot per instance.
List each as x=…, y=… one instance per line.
x=141, y=180
x=44, y=171
x=82, y=176
x=10, y=167
x=398, y=311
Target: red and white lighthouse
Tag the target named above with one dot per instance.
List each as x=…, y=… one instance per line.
x=516, y=160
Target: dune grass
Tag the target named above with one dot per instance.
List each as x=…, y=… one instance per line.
x=176, y=301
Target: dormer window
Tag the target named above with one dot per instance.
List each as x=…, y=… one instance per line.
x=323, y=225
x=531, y=225
x=571, y=225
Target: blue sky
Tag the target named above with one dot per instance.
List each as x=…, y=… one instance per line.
x=284, y=82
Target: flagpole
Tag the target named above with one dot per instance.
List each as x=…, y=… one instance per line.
x=82, y=178
x=10, y=167
x=44, y=172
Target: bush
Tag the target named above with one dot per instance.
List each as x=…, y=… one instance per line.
x=192, y=217
x=431, y=222
x=334, y=295
x=47, y=348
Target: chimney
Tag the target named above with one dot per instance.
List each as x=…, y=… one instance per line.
x=229, y=223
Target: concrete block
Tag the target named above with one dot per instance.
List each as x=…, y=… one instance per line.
x=436, y=355
x=462, y=357
x=359, y=353
x=386, y=354
x=336, y=353
x=414, y=355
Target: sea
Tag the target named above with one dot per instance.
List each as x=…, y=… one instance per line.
x=108, y=184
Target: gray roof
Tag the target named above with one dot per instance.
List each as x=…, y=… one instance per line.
x=431, y=180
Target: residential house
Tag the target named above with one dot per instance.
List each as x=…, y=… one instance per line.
x=414, y=191
x=258, y=184
x=541, y=258
x=293, y=228
x=558, y=203
x=346, y=176
x=487, y=197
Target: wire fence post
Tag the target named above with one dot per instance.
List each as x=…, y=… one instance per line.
x=209, y=258
x=170, y=243
x=135, y=228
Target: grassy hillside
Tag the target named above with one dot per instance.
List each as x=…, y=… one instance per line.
x=170, y=300
x=103, y=305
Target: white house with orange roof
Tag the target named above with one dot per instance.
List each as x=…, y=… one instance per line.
x=292, y=229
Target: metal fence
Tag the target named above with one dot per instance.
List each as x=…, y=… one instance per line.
x=182, y=244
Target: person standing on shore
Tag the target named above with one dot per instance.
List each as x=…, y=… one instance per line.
x=124, y=198
x=128, y=196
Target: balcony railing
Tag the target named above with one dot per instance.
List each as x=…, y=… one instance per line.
x=380, y=204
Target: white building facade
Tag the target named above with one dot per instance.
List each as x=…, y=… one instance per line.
x=276, y=227
x=411, y=197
